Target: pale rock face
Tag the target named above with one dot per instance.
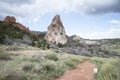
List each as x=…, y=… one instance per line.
x=56, y=32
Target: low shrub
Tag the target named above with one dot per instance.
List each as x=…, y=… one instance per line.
x=37, y=68
x=60, y=45
x=12, y=75
x=91, y=50
x=42, y=44
x=27, y=66
x=52, y=57
x=69, y=63
x=4, y=55
x=49, y=66
x=73, y=60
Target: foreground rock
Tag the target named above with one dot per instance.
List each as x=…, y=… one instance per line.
x=56, y=32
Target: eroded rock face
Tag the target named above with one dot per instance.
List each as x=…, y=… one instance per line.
x=56, y=32
x=22, y=27
x=10, y=19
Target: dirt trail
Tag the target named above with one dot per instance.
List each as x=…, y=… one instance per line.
x=84, y=71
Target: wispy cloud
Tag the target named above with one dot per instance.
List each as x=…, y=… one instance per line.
x=112, y=33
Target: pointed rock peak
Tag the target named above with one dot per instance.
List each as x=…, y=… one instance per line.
x=56, y=32
x=56, y=18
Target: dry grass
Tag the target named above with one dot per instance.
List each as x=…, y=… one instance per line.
x=36, y=64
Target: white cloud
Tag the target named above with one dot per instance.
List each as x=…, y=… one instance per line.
x=34, y=9
x=112, y=33
x=115, y=21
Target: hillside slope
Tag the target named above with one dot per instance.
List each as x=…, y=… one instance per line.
x=11, y=31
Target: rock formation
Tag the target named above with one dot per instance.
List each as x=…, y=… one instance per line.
x=56, y=32
x=11, y=19
x=22, y=27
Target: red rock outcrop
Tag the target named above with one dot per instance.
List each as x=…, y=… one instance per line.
x=22, y=27
x=11, y=19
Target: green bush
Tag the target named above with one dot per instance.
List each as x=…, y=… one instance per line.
x=49, y=66
x=12, y=75
x=42, y=45
x=10, y=30
x=37, y=68
x=71, y=64
x=60, y=45
x=91, y=50
x=52, y=57
x=73, y=60
x=27, y=66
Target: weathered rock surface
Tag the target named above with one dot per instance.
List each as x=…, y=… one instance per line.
x=11, y=19
x=22, y=27
x=74, y=42
x=56, y=32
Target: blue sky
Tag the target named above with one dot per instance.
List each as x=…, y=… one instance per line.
x=93, y=19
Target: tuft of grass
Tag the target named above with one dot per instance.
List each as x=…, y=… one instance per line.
x=52, y=57
x=69, y=63
x=27, y=66
x=12, y=75
x=109, y=70
x=72, y=61
x=49, y=66
x=4, y=55
x=37, y=68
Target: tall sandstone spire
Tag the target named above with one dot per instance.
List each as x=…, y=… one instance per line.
x=56, y=32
